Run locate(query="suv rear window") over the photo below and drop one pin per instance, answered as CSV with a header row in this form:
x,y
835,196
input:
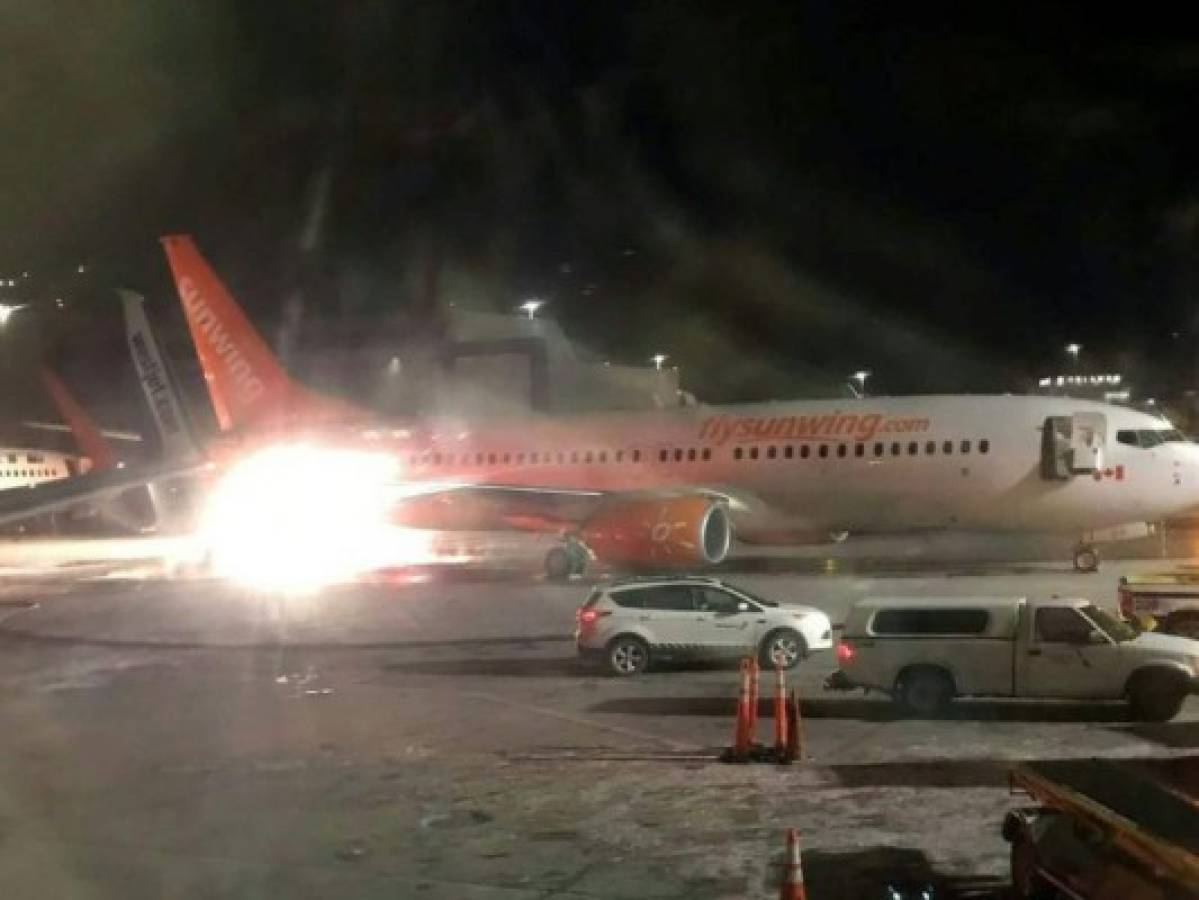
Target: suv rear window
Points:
x,y
675,597
930,621
627,599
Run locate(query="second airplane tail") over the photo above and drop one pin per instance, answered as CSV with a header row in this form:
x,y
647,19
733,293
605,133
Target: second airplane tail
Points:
x,y
248,385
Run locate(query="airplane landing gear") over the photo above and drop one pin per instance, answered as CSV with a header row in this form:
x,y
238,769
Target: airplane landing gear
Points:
x,y
565,560
1086,558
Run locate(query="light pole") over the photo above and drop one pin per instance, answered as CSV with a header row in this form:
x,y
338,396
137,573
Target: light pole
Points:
x,y
658,359
530,307
860,377
1073,350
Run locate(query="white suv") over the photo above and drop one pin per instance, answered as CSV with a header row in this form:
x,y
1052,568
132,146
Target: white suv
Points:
x,y
628,623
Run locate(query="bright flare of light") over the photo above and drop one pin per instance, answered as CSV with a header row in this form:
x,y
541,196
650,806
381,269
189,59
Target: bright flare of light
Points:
x,y
6,312
530,307
658,359
1073,349
297,518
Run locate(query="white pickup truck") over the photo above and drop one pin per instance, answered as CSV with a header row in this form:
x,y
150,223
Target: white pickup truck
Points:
x,y
927,651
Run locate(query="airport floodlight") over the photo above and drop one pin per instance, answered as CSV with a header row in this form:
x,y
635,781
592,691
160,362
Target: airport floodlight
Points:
x,y
658,359
530,307
81,268
860,377
7,311
1073,350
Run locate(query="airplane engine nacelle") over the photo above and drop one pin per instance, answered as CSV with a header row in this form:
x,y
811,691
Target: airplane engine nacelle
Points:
x,y
661,532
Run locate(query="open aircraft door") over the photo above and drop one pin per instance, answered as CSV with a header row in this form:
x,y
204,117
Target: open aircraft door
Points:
x,y
1072,445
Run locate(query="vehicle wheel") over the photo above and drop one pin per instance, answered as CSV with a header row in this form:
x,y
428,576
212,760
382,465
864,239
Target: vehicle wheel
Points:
x,y
1086,559
1184,626
925,691
628,655
783,647
1027,882
558,564
1156,697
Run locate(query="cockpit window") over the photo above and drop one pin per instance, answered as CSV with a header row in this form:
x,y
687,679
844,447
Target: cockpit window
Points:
x,y
1151,437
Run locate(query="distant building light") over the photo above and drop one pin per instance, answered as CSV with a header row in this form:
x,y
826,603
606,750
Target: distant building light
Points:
x,y
658,359
394,366
1045,382
81,268
1116,396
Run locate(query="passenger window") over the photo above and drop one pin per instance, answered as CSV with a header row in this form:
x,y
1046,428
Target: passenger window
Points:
x,y
672,597
636,456
587,457
930,621
753,452
574,456
1062,625
841,450
789,451
859,449
603,456
663,455
805,451
772,452
619,455
930,447
823,451
965,447
738,453
913,448
878,449
947,447
691,455
491,459
984,446
714,600
895,448
678,455
707,453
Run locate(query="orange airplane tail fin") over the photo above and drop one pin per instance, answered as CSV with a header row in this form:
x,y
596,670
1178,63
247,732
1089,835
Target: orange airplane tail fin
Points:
x,y
247,383
87,435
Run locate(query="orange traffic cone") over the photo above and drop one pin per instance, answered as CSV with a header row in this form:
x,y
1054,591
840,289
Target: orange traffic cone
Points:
x,y
743,735
755,685
794,729
780,714
793,888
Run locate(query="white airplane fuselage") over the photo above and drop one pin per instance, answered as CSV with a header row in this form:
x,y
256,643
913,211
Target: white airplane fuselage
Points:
x,y
820,467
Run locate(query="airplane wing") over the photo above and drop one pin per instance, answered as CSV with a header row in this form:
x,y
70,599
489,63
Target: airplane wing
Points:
x,y
22,503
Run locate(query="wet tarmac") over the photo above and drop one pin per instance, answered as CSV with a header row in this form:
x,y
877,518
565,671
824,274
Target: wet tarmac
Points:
x,y
438,738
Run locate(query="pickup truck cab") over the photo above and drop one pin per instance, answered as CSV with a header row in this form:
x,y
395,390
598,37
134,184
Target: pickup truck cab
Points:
x,y
927,651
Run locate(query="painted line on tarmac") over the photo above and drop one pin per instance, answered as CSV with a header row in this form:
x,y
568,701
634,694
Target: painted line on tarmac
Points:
x,y
578,720
10,609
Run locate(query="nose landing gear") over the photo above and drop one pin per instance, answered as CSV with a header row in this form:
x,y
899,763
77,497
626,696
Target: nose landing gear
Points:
x,y
1086,558
565,560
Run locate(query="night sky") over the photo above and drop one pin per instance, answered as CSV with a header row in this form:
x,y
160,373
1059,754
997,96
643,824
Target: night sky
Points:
x,y
775,194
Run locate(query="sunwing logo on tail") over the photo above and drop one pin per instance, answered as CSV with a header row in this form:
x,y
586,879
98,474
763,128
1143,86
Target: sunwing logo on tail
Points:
x,y
222,344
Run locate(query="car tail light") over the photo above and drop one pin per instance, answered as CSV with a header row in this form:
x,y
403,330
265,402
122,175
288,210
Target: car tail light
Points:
x,y
589,616
845,652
